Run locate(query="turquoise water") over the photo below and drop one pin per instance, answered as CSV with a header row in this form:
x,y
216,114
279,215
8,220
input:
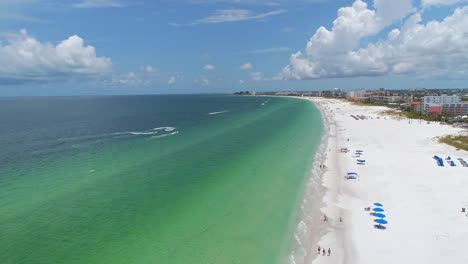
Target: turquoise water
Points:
x,y
153,179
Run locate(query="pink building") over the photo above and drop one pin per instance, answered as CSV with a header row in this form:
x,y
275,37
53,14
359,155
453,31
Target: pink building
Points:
x,y
435,110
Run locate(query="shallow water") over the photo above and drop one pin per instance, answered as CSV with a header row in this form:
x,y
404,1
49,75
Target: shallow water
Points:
x,y
152,179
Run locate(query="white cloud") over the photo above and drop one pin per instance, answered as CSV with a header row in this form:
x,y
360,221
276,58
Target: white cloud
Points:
x,y
172,80
98,4
270,50
147,75
246,66
25,59
428,3
148,69
209,67
241,81
436,47
231,15
256,76
128,79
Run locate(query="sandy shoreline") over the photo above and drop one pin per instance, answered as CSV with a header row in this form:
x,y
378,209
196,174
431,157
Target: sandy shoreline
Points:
x,y
305,236
422,201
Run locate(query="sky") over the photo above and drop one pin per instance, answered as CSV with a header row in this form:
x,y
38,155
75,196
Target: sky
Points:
x,y
89,47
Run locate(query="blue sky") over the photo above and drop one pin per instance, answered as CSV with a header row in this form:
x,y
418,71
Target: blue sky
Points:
x,y
51,47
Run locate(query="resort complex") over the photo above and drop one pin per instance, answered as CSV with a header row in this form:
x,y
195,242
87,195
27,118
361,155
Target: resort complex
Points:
x,y
442,105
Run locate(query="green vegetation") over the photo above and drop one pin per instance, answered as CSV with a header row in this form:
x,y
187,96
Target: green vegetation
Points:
x,y
460,142
415,115
411,115
464,99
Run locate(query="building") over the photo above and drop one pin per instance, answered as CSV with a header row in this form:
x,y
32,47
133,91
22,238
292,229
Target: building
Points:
x,y
460,108
387,99
433,109
358,95
437,105
442,99
416,107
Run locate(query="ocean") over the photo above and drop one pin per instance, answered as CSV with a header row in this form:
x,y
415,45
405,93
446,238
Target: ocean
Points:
x,y
163,179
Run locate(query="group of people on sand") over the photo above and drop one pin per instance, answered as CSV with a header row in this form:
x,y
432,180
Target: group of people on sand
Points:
x,y
322,250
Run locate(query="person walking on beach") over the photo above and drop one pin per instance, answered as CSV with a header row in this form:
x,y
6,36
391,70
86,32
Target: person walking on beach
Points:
x,y
318,252
329,251
323,252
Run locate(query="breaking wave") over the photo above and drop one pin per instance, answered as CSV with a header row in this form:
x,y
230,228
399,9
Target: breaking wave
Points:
x,y
166,135
144,133
217,113
305,237
153,131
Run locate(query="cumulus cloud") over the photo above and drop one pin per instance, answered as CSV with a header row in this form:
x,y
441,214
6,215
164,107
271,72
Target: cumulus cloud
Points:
x,y
127,79
25,59
428,3
241,81
209,67
246,66
231,15
148,69
98,4
172,80
415,48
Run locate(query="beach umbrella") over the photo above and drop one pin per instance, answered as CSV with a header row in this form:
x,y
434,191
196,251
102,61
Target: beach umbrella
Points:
x,y
378,204
380,215
359,150
378,210
381,221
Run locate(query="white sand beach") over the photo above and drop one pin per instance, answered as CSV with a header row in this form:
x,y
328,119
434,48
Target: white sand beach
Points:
x,y
422,201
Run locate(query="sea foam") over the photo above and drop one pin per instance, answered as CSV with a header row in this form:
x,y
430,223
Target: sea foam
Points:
x,y
304,237
217,113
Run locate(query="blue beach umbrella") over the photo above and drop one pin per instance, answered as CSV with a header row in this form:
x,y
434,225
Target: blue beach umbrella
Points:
x,y
380,215
378,204
378,210
381,221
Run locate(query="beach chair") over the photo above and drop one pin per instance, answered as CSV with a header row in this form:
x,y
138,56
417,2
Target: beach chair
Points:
x,y
440,161
463,162
351,176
